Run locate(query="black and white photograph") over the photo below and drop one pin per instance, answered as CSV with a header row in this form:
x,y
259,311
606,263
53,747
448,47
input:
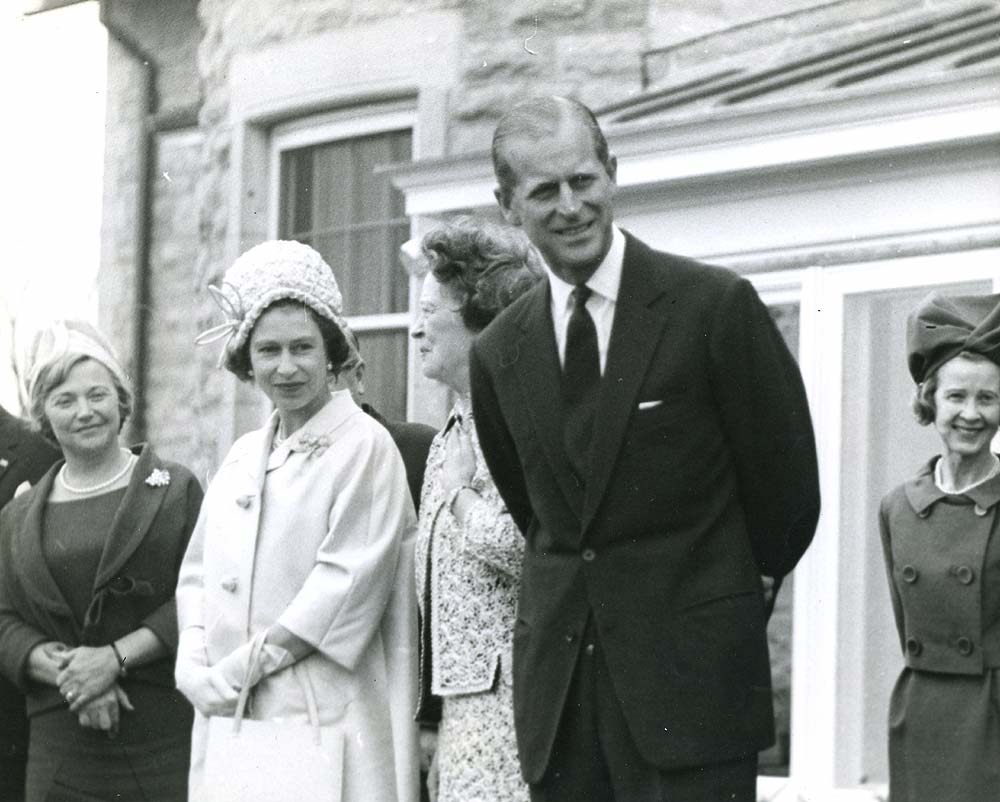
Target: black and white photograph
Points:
x,y
500,401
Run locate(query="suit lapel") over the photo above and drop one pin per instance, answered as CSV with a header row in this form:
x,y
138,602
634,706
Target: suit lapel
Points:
x,y
31,563
536,363
134,517
635,334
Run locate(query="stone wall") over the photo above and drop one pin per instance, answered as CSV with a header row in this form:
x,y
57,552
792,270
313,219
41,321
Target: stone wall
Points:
x,y
172,394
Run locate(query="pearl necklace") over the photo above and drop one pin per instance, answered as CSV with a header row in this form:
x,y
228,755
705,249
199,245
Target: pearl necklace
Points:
x,y
100,485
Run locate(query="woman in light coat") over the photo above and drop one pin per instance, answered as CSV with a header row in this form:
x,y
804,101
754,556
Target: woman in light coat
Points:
x,y
469,550
305,535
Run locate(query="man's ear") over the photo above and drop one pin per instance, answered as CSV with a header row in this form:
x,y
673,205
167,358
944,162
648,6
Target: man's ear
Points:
x,y
503,201
359,373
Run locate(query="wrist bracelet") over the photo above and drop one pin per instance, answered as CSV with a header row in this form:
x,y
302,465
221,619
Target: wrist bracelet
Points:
x,y
122,671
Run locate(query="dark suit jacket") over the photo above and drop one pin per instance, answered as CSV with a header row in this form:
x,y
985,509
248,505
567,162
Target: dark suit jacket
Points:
x,y
134,586
687,503
24,457
413,441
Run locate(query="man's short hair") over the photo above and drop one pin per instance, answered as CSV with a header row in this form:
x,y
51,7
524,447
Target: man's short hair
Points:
x,y
537,118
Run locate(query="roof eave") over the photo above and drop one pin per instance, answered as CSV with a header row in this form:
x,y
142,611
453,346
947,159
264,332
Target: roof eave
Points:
x,y
787,131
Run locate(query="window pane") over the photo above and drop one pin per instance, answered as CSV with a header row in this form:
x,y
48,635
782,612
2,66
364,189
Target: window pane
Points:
x,y
332,198
385,371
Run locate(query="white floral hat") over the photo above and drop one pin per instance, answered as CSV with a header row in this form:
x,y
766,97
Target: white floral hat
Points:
x,y
267,273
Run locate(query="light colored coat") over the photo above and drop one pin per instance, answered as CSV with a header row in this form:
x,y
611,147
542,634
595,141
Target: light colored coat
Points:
x,y
316,535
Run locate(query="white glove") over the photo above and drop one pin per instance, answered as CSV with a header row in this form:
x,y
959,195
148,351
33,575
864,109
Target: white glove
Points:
x,y
234,665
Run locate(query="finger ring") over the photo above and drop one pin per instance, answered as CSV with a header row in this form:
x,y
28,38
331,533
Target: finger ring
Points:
x,y
69,696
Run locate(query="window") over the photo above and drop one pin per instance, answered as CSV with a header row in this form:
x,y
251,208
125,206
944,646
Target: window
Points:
x,y
330,196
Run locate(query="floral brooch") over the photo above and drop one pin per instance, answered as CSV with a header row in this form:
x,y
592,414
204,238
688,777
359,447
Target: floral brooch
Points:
x,y
158,478
314,445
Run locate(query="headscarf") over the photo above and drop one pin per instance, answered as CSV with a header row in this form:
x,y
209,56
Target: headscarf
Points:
x,y
66,337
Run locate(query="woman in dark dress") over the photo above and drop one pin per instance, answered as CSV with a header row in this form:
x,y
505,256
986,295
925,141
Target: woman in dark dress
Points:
x,y
88,566
942,552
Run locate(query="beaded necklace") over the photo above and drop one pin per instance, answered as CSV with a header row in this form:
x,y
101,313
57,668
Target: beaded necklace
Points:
x,y
100,485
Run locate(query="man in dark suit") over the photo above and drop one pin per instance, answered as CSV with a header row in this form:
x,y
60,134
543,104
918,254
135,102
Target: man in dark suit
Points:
x,y
24,457
648,430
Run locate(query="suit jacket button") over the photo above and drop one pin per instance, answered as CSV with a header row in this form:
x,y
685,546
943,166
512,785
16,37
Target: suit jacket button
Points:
x,y
980,511
924,513
244,502
909,574
588,555
964,646
964,574
229,584
570,637
914,647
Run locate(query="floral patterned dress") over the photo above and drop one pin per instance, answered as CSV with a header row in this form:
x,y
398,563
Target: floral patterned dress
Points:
x,y
468,579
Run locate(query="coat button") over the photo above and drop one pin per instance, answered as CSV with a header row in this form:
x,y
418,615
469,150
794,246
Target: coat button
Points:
x,y
229,584
570,637
909,574
914,647
244,502
980,511
964,574
588,555
964,646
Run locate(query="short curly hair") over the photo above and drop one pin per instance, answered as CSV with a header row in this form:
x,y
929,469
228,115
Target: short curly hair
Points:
x,y
54,374
338,351
923,404
485,265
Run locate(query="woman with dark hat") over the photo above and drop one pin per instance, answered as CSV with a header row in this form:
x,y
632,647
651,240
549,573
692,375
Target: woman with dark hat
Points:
x,y
942,554
88,566
304,542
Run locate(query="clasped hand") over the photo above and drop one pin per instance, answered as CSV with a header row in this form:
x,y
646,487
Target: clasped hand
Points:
x,y
207,689
460,459
86,673
104,711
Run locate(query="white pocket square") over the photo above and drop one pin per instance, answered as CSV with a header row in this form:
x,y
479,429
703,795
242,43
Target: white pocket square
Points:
x,y
649,404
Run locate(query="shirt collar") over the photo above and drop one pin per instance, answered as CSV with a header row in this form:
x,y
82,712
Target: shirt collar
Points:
x,y
606,279
922,491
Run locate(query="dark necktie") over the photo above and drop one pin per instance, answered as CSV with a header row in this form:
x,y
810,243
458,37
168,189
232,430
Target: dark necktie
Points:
x,y
581,379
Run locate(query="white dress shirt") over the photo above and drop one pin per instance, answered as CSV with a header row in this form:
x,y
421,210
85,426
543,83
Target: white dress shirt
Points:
x,y
601,303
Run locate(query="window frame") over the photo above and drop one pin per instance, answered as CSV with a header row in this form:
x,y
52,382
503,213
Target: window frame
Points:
x,y
323,128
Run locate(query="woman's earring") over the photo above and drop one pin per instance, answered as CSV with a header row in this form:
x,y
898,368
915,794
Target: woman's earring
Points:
x,y
329,367
250,372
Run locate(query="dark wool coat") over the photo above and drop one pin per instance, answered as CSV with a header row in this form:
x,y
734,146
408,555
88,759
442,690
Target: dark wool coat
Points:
x,y
942,556
134,586
703,478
